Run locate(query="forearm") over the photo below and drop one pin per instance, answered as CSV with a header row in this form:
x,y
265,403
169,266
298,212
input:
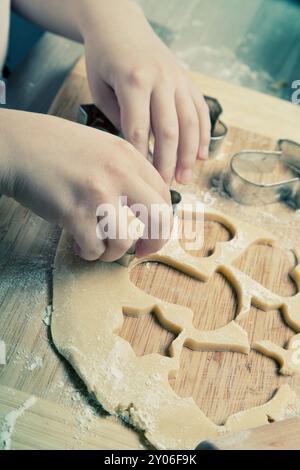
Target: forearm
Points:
x,y
59,16
71,18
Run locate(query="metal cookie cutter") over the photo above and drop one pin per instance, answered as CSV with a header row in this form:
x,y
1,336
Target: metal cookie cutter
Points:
x,y
219,130
248,169
90,115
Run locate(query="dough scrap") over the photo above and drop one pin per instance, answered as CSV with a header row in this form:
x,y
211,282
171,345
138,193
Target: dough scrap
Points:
x,y
89,302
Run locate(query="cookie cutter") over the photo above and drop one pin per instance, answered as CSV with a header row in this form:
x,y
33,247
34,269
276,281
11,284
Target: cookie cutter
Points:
x,y
219,130
90,115
240,183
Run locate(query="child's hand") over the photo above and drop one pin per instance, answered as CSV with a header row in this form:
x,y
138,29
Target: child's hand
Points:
x,y
138,84
64,171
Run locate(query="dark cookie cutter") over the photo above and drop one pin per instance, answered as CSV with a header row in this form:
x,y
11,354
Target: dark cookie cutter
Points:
x,y
90,115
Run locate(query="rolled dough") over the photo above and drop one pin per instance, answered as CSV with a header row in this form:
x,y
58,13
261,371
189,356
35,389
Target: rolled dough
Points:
x,y
89,300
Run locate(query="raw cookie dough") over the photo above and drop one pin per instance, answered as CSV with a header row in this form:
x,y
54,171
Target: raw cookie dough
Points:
x,y
288,359
89,301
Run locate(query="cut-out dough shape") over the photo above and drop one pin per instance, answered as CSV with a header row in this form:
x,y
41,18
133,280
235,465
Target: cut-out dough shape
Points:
x,y
89,302
288,359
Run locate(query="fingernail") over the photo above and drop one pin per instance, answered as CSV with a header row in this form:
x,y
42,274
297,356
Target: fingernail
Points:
x,y
204,152
186,176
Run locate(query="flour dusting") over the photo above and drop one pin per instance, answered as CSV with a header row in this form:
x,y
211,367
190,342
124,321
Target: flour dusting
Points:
x,y
7,424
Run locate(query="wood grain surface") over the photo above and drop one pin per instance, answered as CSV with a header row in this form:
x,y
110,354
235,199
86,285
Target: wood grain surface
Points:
x,y
48,426
284,435
220,383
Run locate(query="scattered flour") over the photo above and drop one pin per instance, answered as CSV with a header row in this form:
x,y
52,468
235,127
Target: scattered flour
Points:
x,y
34,362
207,198
31,360
47,315
7,424
293,410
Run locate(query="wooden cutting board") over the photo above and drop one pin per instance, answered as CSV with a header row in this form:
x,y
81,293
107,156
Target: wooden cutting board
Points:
x,y
220,383
283,435
32,423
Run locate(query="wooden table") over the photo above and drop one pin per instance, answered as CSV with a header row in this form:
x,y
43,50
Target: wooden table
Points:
x,y
220,383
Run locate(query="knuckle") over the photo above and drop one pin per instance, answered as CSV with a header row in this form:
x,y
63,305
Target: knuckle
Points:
x,y
92,187
114,165
138,135
169,132
137,77
116,171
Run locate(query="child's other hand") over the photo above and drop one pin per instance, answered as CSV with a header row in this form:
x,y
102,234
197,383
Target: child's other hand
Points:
x,y
138,84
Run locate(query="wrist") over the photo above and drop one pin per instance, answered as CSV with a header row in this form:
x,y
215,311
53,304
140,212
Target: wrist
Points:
x,y
95,17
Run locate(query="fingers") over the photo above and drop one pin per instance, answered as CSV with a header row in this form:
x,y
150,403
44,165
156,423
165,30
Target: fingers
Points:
x,y
189,133
106,101
114,234
108,241
110,237
134,102
166,132
151,177
204,122
155,214
179,120
87,245
120,236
